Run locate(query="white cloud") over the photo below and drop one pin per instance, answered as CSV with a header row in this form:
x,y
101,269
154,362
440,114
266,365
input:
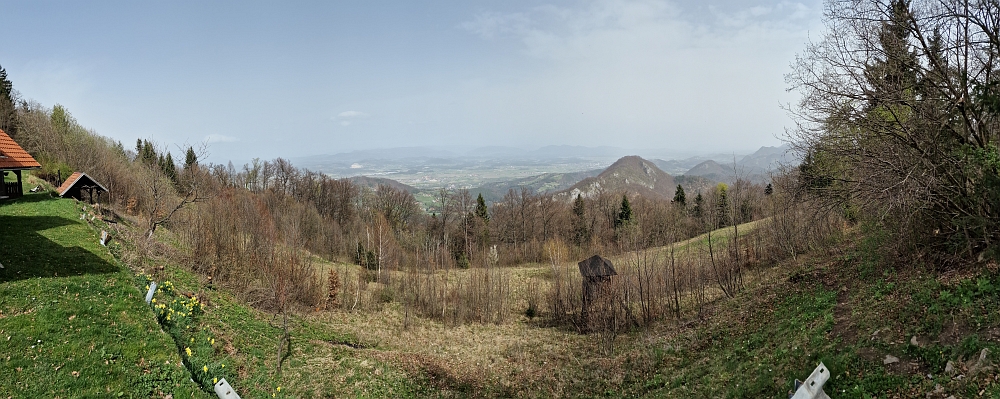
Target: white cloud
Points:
x,y
352,114
648,71
218,138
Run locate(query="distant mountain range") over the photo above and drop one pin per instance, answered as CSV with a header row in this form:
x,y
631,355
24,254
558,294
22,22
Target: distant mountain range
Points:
x,y
654,178
546,153
754,167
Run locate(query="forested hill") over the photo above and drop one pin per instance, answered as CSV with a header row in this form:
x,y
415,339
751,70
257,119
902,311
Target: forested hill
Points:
x,y
374,182
631,174
538,184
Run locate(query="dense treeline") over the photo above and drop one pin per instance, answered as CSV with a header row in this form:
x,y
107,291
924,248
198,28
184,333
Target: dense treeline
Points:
x,y
899,121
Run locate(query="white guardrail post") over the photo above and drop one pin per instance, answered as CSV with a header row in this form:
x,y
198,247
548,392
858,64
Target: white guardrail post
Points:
x,y
812,387
150,292
225,391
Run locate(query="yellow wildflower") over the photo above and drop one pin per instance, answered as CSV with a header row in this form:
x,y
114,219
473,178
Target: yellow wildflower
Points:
x,y
279,389
188,351
204,368
212,341
215,380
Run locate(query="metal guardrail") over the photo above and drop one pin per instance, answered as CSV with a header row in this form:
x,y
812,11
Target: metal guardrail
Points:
x,y
812,387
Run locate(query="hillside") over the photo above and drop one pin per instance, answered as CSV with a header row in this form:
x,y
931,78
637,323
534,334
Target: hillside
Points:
x,y
374,182
630,174
710,169
836,305
543,183
72,318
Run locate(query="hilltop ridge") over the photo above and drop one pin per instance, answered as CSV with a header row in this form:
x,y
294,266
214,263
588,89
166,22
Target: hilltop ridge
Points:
x,y
631,174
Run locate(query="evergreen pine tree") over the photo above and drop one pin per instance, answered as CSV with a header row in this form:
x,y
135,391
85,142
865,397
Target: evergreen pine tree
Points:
x,y
8,112
624,213
191,159
679,196
722,206
769,189
169,169
148,153
481,211
699,204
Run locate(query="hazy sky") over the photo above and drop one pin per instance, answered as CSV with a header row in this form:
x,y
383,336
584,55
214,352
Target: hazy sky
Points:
x,y
289,79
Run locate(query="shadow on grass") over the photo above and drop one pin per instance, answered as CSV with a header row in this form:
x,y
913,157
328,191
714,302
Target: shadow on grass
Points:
x,y
30,198
25,253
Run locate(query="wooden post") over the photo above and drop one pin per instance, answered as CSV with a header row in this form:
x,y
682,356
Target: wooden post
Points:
x,y
20,190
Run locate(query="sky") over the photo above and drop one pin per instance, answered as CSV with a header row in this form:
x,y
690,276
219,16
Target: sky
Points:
x,y
292,79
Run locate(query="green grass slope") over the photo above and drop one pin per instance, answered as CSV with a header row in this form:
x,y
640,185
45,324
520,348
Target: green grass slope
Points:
x,y
846,309
72,320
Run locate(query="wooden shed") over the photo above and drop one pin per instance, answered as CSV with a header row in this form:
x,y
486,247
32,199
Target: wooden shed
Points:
x,y
79,183
13,159
596,272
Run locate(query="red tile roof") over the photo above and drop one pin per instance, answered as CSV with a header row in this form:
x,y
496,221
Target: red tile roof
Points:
x,y
12,156
69,182
79,178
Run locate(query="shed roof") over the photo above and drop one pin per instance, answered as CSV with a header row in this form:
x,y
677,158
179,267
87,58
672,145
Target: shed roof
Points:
x,y
13,157
78,178
596,266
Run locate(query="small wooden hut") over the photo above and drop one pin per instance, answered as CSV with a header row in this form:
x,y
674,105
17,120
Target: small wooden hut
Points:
x,y
14,159
596,272
79,183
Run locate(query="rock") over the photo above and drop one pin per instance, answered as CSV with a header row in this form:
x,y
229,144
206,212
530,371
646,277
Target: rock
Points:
x,y
913,341
982,364
949,368
890,359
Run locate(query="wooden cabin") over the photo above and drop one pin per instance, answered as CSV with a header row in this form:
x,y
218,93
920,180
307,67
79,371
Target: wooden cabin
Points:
x,y
13,159
79,183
